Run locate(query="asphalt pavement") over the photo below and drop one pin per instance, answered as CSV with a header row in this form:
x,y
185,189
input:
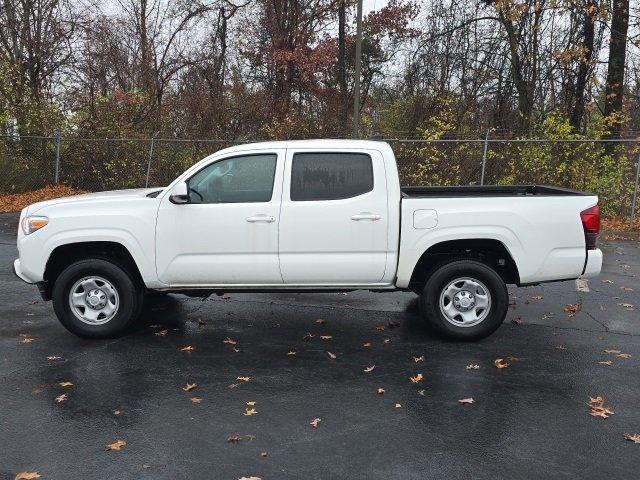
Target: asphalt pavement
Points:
x,y
265,367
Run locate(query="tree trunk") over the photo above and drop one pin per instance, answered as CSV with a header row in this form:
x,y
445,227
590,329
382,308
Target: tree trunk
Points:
x,y
590,12
617,55
342,68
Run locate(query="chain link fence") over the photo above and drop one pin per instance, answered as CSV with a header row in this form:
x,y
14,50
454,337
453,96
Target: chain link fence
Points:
x,y
609,168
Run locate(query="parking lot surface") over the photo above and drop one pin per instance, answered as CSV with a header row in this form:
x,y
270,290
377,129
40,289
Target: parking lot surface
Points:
x,y
260,369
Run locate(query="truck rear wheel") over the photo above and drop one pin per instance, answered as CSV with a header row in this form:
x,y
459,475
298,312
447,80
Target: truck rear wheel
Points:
x,y
464,300
96,298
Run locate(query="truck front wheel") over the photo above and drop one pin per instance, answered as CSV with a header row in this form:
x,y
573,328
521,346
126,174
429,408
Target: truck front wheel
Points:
x,y
95,298
464,300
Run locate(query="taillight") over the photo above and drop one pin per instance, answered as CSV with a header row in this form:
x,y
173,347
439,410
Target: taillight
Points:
x,y
591,226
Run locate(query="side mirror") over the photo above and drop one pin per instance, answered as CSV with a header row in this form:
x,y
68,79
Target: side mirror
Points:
x,y
179,193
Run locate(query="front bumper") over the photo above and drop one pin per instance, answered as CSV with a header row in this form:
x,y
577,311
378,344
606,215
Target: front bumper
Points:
x,y
593,265
18,271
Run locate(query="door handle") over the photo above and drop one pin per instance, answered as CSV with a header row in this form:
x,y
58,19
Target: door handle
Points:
x,y
366,216
261,218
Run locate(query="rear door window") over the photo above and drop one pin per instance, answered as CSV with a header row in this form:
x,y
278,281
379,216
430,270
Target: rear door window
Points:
x,y
330,176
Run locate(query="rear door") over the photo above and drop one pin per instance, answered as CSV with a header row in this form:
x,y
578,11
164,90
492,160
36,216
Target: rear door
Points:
x,y
333,217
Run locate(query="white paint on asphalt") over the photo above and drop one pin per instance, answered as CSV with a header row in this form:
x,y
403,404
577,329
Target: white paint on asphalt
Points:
x,y
582,285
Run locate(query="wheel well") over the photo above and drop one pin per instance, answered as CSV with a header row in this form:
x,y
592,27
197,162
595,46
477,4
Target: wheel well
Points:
x,y
65,255
490,252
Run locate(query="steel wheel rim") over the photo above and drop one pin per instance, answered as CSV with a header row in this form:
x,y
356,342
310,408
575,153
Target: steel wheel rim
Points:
x,y
465,302
94,300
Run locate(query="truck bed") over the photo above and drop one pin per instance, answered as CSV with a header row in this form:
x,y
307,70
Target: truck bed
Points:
x,y
489,191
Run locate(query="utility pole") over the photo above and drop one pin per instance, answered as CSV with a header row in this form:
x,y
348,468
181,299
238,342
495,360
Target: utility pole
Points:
x,y
356,83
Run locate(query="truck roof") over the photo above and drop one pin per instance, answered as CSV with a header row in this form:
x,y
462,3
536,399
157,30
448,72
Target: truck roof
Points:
x,y
314,143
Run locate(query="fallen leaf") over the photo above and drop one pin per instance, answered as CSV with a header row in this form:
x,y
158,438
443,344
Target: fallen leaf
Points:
x,y
572,309
233,385
380,328
398,405
623,355
234,439
27,476
421,392
61,398
117,445
65,383
229,341
416,379
187,348
326,337
466,401
380,391
189,387
236,349
27,340
560,347
628,306
116,412
472,366
251,404
386,340
332,355
499,363
393,324
250,478
608,362
320,321
615,352
196,399
369,369
249,412
597,408
291,352
606,280
315,422
635,438
201,323
537,297
243,379
161,333
308,337
366,344
250,437
53,357
517,321
263,454
146,466
418,359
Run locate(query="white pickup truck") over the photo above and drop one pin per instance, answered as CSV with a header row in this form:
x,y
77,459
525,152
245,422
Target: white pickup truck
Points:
x,y
316,215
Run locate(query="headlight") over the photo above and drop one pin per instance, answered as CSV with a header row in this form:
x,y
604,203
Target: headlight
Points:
x,y
33,223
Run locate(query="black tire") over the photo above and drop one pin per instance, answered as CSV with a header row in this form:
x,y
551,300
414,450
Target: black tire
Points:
x,y
442,277
129,290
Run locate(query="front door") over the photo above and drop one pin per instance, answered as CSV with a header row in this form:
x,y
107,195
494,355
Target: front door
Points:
x,y
334,218
227,234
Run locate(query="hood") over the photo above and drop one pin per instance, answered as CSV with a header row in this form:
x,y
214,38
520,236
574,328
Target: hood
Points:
x,y
113,194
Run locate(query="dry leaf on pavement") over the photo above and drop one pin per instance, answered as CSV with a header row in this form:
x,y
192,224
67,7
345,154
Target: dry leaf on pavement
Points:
x,y
380,391
500,363
597,408
315,422
61,398
472,366
244,379
161,333
635,438
332,355
418,359
189,387
187,348
608,362
416,379
250,478
572,309
249,412
65,383
466,401
369,369
326,337
229,341
117,445
196,399
398,405
27,476
291,352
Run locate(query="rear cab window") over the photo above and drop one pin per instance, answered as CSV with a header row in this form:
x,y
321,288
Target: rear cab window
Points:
x,y
330,175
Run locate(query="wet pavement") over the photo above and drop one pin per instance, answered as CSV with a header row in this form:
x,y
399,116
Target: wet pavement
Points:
x,y
530,419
